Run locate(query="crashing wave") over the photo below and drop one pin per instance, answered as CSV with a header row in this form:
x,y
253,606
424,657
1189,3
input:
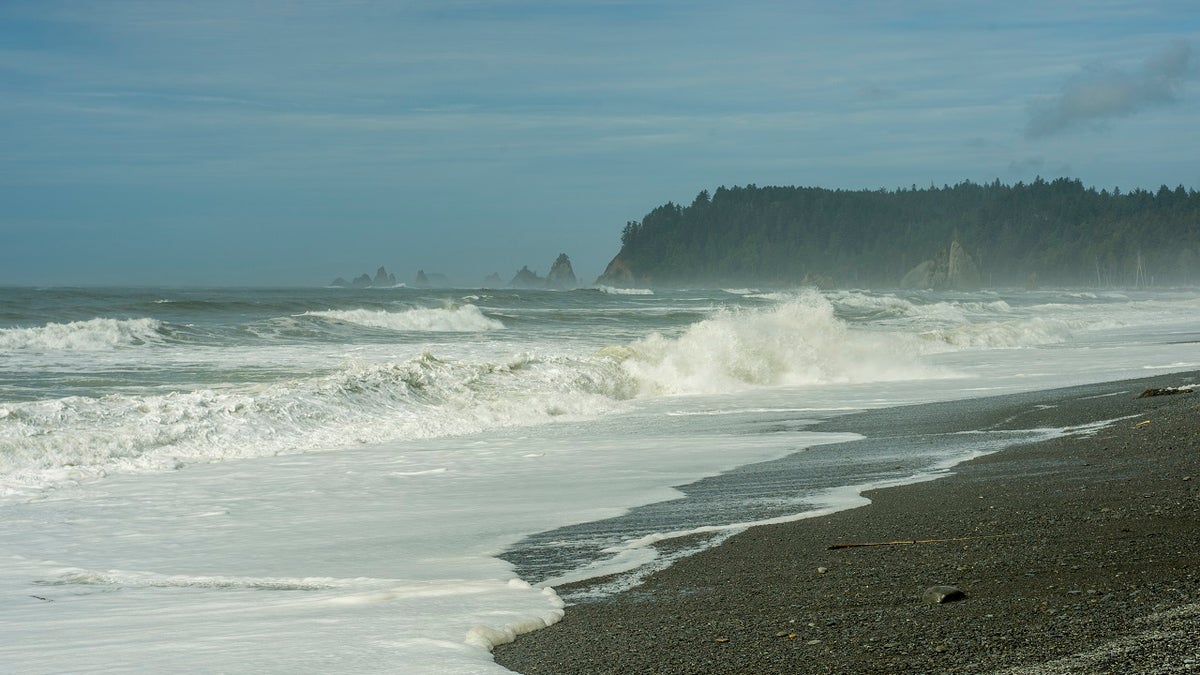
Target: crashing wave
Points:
x,y
613,290
796,342
92,335
461,319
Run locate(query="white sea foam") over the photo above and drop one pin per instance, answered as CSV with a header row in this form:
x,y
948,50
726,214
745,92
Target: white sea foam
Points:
x,y
139,579
776,296
885,307
92,335
1017,333
77,439
959,324
460,319
490,637
613,290
796,342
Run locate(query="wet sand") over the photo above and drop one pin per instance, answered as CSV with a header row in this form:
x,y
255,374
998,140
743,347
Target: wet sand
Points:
x,y
1076,555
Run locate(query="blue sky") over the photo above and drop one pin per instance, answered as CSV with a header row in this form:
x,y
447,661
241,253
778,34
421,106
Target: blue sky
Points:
x,y
265,142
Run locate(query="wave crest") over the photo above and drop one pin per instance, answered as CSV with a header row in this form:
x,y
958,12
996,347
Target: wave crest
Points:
x,y
796,342
78,439
92,335
1012,334
460,319
613,290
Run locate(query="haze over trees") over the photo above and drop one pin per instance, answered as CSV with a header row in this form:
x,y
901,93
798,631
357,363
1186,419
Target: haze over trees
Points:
x,y
1052,232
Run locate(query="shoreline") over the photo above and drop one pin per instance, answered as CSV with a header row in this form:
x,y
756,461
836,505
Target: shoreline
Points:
x,y
1076,554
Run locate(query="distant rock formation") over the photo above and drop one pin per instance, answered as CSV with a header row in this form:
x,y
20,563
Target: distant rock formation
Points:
x,y
963,273
493,280
527,278
431,280
618,273
383,278
561,276
955,269
925,275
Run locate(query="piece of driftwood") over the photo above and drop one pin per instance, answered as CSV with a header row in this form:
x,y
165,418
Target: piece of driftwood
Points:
x,y
910,542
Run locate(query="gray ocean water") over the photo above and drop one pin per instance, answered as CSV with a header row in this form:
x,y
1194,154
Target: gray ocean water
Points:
x,y
390,475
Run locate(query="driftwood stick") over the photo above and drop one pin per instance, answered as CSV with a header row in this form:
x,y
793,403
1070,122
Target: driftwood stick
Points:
x,y
910,542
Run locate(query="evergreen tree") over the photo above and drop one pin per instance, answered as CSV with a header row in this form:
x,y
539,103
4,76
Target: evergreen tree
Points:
x,y
1057,231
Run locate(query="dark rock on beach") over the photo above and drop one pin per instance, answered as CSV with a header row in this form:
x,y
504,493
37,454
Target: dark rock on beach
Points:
x,y
1077,554
1166,391
936,595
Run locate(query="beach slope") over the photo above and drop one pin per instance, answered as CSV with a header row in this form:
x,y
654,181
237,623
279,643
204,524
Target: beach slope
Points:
x,y
1077,554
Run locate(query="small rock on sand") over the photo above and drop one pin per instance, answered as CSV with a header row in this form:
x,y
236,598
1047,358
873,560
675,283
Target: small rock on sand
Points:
x,y
935,595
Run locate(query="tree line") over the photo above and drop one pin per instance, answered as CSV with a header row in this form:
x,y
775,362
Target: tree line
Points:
x,y
1052,232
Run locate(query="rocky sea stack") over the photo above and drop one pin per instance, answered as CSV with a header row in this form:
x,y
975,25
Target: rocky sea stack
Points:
x,y
955,269
382,279
527,278
561,276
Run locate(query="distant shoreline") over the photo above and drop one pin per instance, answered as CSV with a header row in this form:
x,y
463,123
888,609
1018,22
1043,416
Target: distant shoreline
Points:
x,y
1094,570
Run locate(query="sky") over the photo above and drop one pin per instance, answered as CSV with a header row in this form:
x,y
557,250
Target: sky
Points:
x,y
263,142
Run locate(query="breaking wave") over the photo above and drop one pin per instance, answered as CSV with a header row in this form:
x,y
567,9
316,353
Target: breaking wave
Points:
x,y
796,342
953,325
461,319
91,335
864,307
1013,334
801,339
78,439
613,290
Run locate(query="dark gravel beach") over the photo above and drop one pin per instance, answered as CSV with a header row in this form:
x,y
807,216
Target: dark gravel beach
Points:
x,y
1076,555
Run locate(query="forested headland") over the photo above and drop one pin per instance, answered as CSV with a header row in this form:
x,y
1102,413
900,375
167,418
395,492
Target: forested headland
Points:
x,y
1046,232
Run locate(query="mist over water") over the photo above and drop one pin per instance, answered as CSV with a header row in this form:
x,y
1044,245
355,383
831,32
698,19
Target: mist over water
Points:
x,y
249,461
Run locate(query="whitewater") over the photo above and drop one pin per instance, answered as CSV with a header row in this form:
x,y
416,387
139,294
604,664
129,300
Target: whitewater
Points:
x,y
396,480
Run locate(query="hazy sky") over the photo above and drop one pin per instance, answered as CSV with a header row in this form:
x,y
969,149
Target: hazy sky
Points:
x,y
272,142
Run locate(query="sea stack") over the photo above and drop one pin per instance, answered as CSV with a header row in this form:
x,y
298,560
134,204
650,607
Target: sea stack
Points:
x,y
953,269
561,276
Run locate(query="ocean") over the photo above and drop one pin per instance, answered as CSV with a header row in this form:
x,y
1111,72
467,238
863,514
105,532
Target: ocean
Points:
x,y
395,480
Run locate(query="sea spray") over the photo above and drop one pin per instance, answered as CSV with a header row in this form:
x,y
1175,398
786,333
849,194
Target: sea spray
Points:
x,y
798,341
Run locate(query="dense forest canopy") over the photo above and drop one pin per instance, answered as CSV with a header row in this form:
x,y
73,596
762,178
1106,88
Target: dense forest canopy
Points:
x,y
1054,232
